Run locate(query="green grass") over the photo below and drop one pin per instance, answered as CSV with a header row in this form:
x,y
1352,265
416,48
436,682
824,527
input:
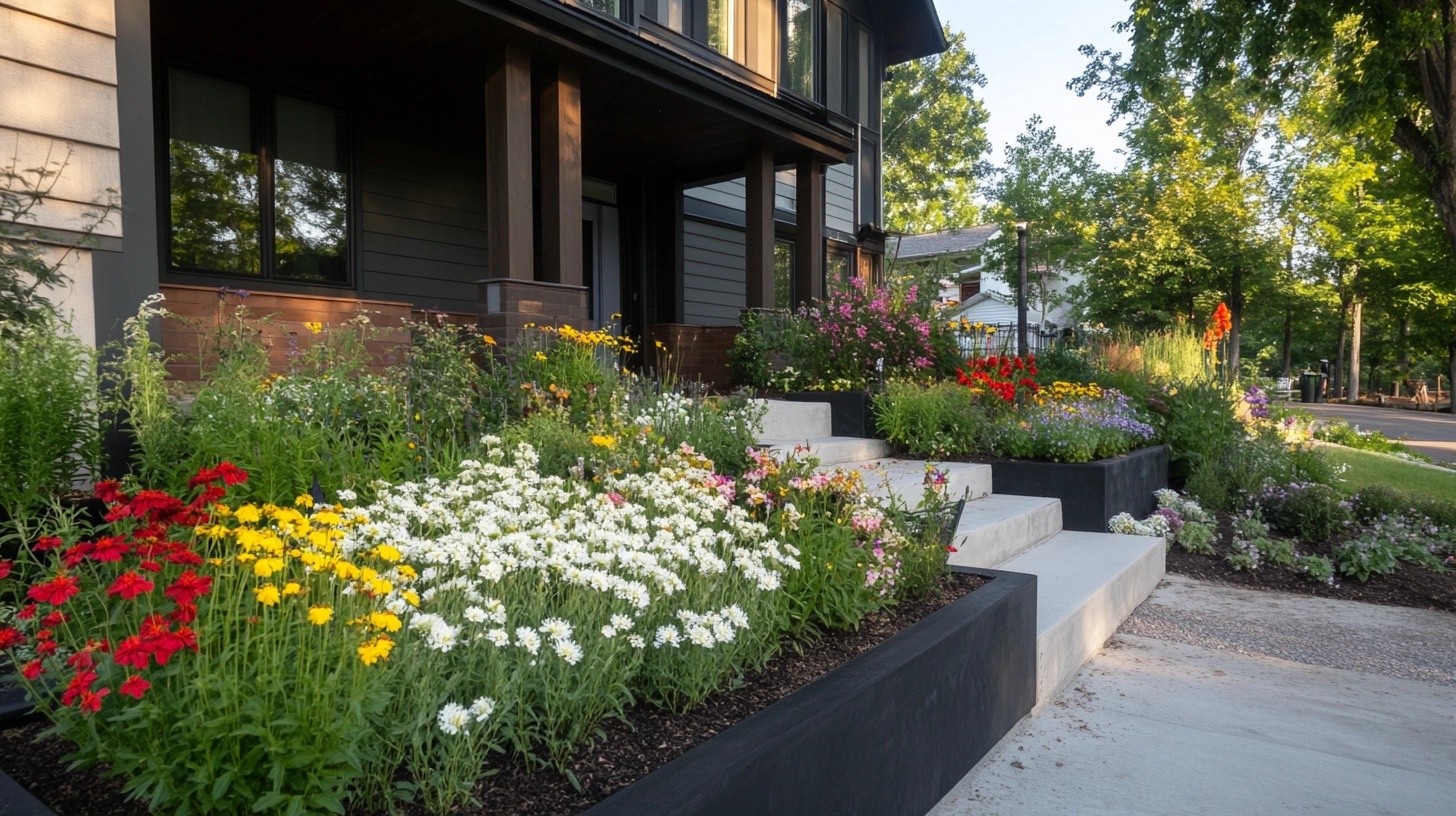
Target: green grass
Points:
x,y
1365,469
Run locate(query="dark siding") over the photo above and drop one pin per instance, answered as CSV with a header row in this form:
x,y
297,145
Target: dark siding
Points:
x,y
423,231
713,263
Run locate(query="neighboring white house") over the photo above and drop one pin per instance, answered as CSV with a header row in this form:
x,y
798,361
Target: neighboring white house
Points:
x,y
979,295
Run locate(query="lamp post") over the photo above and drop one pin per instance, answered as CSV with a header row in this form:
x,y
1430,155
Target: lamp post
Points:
x,y
1021,345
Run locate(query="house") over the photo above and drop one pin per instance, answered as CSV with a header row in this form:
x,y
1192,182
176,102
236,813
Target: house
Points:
x,y
503,161
959,258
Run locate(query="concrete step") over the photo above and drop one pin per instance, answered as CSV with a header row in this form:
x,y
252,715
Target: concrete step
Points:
x,y
834,450
1000,527
794,422
1087,584
905,479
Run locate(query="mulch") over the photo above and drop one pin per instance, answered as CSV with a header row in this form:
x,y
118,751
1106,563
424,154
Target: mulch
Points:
x,y
624,754
1410,585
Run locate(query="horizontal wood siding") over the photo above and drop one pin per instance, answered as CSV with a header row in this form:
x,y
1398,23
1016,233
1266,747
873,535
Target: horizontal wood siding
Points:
x,y
423,230
728,194
713,277
839,198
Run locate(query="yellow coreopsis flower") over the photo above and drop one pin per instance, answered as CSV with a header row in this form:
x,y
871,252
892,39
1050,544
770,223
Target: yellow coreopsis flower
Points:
x,y
292,588
267,595
265,567
607,442
320,615
410,597
487,339
387,553
385,621
346,571
314,326
376,649
248,514
541,356
303,500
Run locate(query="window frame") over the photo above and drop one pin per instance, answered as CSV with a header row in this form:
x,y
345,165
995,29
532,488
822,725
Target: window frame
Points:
x,y
816,39
263,95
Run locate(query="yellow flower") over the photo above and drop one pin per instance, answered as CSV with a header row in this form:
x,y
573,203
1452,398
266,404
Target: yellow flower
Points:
x,y
320,615
292,588
314,326
303,500
265,567
267,595
410,597
221,510
379,586
487,339
387,553
371,651
245,558
541,356
386,621
607,442
346,571
248,514
406,571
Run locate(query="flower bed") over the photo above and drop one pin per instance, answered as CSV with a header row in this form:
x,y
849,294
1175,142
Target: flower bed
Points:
x,y
1090,492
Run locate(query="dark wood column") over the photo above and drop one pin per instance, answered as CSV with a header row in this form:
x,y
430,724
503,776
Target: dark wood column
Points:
x,y
508,167
809,228
561,178
758,266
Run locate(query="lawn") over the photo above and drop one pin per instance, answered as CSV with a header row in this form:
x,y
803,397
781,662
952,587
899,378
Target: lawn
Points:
x,y
1364,469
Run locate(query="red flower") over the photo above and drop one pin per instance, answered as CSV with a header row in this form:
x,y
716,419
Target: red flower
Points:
x,y
10,638
55,618
130,585
109,492
81,660
56,591
47,543
150,566
32,670
5,567
184,556
109,548
132,652
45,648
91,700
135,686
27,613
184,613
80,684
188,587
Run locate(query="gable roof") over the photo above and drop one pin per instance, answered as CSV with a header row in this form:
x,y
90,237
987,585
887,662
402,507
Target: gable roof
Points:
x,y
945,242
911,29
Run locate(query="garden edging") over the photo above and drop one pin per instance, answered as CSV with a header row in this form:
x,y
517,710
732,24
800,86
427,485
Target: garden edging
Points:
x,y
1091,492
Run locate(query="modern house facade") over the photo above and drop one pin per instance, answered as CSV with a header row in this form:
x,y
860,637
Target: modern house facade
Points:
x,y
503,161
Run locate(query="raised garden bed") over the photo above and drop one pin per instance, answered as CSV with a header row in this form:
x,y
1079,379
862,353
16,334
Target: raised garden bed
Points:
x,y
1091,492
925,704
850,412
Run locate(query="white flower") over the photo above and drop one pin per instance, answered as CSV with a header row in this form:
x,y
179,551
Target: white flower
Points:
x,y
443,637
700,635
621,623
636,642
475,614
482,708
609,632
454,719
557,628
666,636
568,650
736,616
527,639
499,637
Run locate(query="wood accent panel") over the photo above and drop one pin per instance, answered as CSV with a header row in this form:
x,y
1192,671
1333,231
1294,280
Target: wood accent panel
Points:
x,y
508,170
759,228
693,353
561,260
809,230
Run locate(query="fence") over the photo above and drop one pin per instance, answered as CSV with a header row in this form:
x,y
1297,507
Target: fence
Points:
x,y
1003,339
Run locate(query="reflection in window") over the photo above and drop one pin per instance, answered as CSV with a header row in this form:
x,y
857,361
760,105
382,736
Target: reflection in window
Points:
x,y
723,26
783,275
799,48
310,189
612,7
214,170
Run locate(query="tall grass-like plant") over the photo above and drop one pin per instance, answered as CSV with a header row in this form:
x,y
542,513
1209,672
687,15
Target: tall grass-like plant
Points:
x,y
933,421
139,401
49,429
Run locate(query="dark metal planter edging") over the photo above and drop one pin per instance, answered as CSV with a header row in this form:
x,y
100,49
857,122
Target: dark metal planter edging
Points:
x,y
1091,492
892,731
851,413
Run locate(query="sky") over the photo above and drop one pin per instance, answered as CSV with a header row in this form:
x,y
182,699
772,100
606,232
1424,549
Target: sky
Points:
x,y
1028,51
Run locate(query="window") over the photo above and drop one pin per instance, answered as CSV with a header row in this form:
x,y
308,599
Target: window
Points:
x,y
258,185
718,24
799,52
834,58
783,275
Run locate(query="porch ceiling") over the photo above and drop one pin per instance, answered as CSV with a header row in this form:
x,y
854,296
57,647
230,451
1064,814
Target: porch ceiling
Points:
x,y
636,117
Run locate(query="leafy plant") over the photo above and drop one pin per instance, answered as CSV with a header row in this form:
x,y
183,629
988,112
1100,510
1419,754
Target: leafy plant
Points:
x,y
1313,512
932,421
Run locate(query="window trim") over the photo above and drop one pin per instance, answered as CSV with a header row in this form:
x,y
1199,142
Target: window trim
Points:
x,y
263,95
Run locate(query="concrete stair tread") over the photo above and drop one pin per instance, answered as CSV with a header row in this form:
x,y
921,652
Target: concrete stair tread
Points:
x,y
1087,585
795,421
905,478
999,527
833,450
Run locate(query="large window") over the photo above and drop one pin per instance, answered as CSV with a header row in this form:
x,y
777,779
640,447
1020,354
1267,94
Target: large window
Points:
x,y
258,182
718,24
798,51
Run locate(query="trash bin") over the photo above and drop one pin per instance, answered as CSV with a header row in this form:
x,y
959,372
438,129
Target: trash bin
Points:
x,y
1309,386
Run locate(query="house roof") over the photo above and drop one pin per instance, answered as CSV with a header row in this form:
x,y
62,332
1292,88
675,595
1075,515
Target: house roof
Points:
x,y
945,242
911,29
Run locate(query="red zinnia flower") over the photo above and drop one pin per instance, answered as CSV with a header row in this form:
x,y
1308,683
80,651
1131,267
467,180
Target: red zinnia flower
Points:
x,y
81,660
32,670
109,548
132,652
10,638
55,618
47,543
135,686
5,567
45,648
130,585
56,591
188,587
27,612
150,566
91,700
109,492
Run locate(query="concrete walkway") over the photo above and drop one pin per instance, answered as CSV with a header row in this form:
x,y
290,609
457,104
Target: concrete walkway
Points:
x,y
1218,700
1429,433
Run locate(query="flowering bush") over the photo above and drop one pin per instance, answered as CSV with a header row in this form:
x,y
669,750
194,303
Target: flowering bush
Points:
x,y
1308,510
1079,429
1006,378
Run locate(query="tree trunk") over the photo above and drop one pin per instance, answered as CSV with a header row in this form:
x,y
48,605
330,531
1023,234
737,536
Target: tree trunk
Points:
x,y
1236,318
1358,309
1404,363
1286,350
1338,369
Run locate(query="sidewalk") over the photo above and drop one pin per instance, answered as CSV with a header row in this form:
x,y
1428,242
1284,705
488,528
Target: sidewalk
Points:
x,y
1217,700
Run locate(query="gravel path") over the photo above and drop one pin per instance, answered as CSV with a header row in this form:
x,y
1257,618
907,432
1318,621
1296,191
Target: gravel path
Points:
x,y
1413,644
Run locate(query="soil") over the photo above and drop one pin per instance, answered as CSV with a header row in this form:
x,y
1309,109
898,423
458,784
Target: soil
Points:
x,y
624,754
1410,585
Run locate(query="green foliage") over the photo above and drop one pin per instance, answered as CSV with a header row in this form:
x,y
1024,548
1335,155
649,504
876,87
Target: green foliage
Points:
x,y
932,421
49,431
748,357
1066,362
1340,432
934,138
1197,423
1362,557
1197,537
1316,568
1310,511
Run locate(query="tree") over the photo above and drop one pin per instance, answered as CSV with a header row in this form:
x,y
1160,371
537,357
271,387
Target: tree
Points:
x,y
934,138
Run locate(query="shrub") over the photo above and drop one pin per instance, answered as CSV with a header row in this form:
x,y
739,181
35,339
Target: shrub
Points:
x,y
1376,502
1197,537
1316,568
932,421
1197,423
1312,512
1339,432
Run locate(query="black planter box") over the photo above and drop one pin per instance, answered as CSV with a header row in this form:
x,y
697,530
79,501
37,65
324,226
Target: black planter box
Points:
x,y
890,732
850,412
1091,492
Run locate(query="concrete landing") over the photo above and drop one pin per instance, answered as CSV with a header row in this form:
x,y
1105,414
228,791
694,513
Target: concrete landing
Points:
x,y
905,478
1000,527
1087,584
793,422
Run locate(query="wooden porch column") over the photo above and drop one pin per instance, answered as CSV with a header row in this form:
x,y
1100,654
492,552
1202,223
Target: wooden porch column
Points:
x,y
758,266
809,226
508,167
561,178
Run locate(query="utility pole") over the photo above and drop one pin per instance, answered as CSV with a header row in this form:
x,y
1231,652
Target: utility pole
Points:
x,y
1021,345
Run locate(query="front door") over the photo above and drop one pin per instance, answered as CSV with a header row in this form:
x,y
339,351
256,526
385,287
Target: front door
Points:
x,y
601,261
